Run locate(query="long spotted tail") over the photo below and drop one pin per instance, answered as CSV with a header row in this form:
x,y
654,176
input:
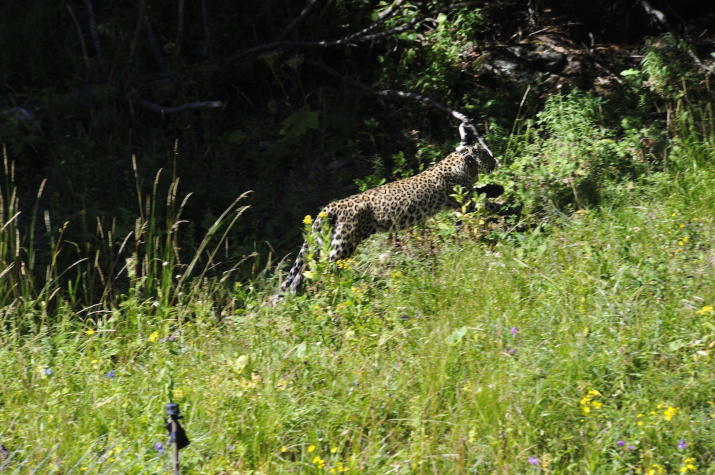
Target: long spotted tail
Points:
x,y
295,276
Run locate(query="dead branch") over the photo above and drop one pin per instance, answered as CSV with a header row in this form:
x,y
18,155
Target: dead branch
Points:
x,y
81,39
298,19
361,36
390,12
153,43
415,20
179,30
207,28
133,51
465,122
95,37
176,109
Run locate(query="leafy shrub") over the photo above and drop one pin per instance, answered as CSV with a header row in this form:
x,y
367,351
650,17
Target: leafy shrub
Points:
x,y
570,151
668,66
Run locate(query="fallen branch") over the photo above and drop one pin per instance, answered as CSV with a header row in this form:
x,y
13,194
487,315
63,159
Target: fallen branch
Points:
x,y
176,109
465,122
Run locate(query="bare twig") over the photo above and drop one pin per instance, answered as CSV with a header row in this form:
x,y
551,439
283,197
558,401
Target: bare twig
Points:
x,y
176,109
388,13
180,29
465,122
95,37
207,28
137,32
417,19
325,9
81,39
699,63
298,19
360,36
153,43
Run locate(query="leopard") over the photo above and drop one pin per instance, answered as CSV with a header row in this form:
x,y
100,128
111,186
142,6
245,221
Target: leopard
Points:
x,y
397,205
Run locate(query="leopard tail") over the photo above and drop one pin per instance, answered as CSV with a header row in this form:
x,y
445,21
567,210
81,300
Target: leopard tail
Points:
x,y
295,276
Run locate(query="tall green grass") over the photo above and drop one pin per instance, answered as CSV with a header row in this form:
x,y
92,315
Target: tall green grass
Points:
x,y
581,343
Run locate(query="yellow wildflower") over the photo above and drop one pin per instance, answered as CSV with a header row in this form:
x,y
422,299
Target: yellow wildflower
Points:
x,y
587,402
688,465
705,309
307,220
311,448
318,462
152,338
656,470
669,413
89,332
323,214
333,450
345,264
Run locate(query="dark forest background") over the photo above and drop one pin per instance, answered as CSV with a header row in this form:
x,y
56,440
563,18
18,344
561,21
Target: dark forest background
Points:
x,y
281,98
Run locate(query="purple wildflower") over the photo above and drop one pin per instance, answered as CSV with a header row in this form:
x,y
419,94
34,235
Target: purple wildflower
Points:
x,y
682,445
621,443
158,447
47,372
631,447
513,331
110,375
534,461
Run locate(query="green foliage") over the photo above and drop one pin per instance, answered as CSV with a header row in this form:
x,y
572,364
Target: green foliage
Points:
x,y
299,122
427,61
577,152
585,344
668,67
567,342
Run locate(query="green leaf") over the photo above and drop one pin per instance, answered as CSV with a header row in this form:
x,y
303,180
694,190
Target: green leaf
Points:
x,y
456,336
300,121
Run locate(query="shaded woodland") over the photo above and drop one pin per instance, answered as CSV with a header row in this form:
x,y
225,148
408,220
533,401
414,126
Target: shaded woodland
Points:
x,y
292,100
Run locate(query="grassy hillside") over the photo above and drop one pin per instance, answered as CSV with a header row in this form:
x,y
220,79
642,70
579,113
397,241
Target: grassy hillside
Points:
x,y
579,340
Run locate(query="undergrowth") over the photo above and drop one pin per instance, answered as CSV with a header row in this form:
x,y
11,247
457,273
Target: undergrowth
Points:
x,y
578,340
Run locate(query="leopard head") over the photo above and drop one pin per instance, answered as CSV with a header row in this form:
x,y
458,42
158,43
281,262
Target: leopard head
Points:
x,y
478,160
